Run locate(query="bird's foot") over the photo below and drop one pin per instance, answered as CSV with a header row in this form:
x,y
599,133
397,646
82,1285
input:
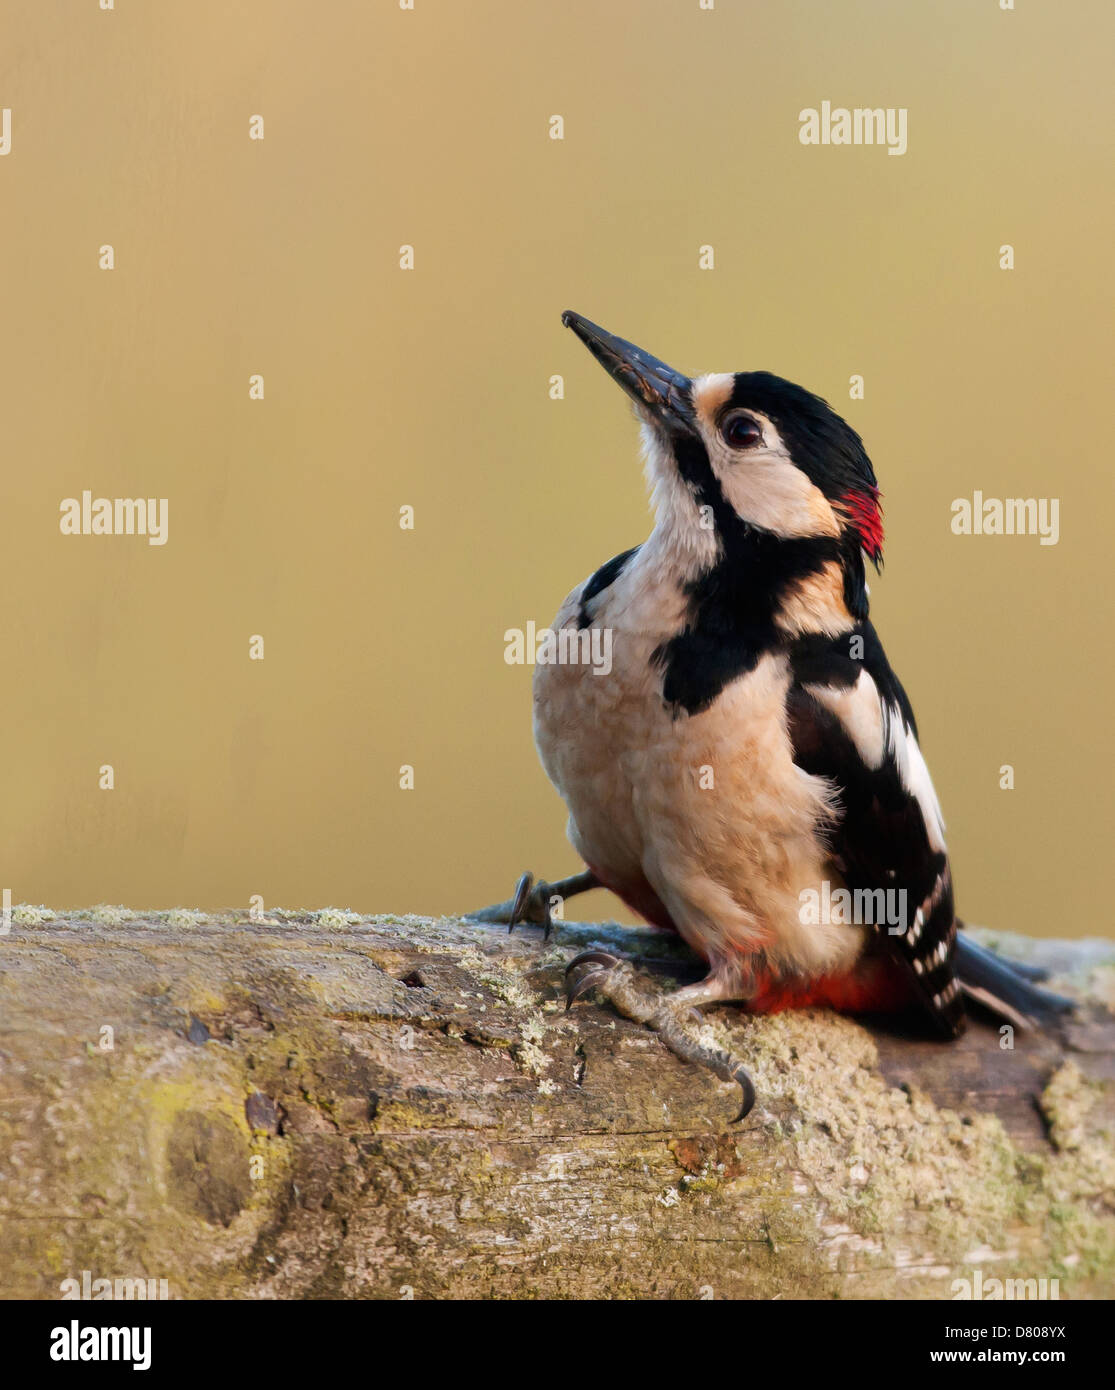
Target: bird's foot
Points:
x,y
671,1016
535,902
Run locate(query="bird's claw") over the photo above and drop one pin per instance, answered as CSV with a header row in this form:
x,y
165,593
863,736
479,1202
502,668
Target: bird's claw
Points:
x,y
529,903
742,1077
536,902
574,988
519,899
663,1016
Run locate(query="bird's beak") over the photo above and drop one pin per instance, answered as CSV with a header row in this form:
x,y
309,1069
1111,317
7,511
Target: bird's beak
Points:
x,y
663,393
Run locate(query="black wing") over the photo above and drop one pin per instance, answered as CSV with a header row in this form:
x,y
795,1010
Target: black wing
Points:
x,y
851,723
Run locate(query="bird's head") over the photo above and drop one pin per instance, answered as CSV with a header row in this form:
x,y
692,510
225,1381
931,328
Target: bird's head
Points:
x,y
736,455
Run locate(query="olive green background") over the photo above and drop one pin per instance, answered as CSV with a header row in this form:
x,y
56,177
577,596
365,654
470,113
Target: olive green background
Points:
x,y
429,387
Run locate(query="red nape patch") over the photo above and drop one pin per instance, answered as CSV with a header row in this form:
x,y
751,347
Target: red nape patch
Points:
x,y
861,506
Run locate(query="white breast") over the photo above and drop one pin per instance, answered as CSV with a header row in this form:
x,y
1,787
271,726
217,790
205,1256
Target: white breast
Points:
x,y
709,810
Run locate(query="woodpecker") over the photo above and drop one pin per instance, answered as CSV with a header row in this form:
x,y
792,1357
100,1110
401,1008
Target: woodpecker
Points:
x,y
751,756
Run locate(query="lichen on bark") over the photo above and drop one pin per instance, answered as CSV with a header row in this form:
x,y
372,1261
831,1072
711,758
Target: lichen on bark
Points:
x,y
324,1104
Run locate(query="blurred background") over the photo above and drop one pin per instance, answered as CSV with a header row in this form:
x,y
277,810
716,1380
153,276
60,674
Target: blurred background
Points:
x,y
429,388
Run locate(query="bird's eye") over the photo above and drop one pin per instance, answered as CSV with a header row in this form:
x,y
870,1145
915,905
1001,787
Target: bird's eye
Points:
x,y
740,431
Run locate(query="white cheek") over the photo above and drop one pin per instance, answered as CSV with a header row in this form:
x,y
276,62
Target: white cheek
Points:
x,y
765,488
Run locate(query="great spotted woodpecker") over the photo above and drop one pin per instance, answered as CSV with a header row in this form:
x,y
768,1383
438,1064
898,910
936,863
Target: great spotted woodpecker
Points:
x,y
751,758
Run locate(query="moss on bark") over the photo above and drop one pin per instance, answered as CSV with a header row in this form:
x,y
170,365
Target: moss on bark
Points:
x,y
329,1105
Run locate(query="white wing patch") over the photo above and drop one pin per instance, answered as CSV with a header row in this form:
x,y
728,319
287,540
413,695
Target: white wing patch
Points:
x,y
860,711
903,748
877,729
